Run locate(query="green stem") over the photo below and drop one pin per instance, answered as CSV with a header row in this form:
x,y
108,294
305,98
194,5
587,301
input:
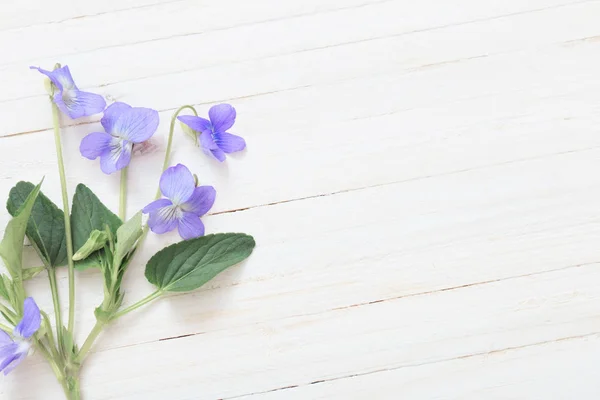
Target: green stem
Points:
x,y
167,159
139,304
123,196
5,328
170,140
56,302
65,199
87,345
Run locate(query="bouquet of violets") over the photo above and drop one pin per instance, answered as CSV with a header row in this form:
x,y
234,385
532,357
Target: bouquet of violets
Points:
x,y
92,236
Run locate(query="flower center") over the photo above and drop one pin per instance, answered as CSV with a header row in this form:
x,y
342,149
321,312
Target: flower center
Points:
x,y
68,97
23,345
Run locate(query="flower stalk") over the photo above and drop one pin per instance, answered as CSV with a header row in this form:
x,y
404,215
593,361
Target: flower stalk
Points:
x,y
65,200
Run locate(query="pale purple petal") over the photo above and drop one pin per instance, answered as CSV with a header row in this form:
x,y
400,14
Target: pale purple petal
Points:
x,y
5,340
112,113
218,154
136,125
201,200
190,226
117,156
177,183
95,144
155,205
222,117
11,363
61,77
31,319
229,143
164,219
196,123
207,142
77,104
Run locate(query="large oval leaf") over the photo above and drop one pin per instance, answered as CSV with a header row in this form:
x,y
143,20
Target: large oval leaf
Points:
x,y
11,246
190,264
46,225
89,214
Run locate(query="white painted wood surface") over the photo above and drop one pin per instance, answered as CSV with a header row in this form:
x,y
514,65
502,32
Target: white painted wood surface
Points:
x,y
421,179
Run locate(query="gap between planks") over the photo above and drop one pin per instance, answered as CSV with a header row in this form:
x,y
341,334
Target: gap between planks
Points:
x,y
479,354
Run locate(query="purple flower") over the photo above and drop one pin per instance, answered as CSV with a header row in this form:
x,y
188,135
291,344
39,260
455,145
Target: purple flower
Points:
x,y
213,136
184,206
69,99
13,351
125,126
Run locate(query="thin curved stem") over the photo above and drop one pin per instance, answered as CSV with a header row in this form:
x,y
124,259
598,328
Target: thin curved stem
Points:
x,y
123,195
138,304
65,199
167,156
5,328
87,345
170,140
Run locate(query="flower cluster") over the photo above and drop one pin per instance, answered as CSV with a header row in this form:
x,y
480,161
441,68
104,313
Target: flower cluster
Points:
x,y
14,350
106,241
124,126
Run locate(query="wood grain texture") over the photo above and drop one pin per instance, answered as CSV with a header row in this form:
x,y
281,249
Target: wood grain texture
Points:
x,y
420,179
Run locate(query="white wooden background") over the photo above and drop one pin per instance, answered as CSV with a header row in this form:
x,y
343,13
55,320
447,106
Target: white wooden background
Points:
x,y
422,179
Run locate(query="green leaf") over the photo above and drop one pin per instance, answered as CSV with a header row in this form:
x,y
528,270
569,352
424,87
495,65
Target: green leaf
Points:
x,y
11,247
89,214
29,273
95,242
94,260
46,225
6,287
190,264
190,132
127,235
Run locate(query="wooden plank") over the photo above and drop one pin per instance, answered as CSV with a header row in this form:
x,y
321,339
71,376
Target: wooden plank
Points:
x,y
419,236
355,340
562,369
247,72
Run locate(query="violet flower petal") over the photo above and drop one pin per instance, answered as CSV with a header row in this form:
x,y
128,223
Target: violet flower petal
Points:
x,y
61,77
156,204
177,183
112,113
69,99
5,340
229,143
207,142
222,117
117,156
77,104
218,154
196,123
201,200
95,144
11,363
190,226
31,319
136,125
164,219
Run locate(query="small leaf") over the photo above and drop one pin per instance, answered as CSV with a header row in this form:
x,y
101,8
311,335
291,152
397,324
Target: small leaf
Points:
x,y
190,264
95,242
89,214
127,235
29,273
190,132
46,225
11,247
6,287
68,344
94,260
